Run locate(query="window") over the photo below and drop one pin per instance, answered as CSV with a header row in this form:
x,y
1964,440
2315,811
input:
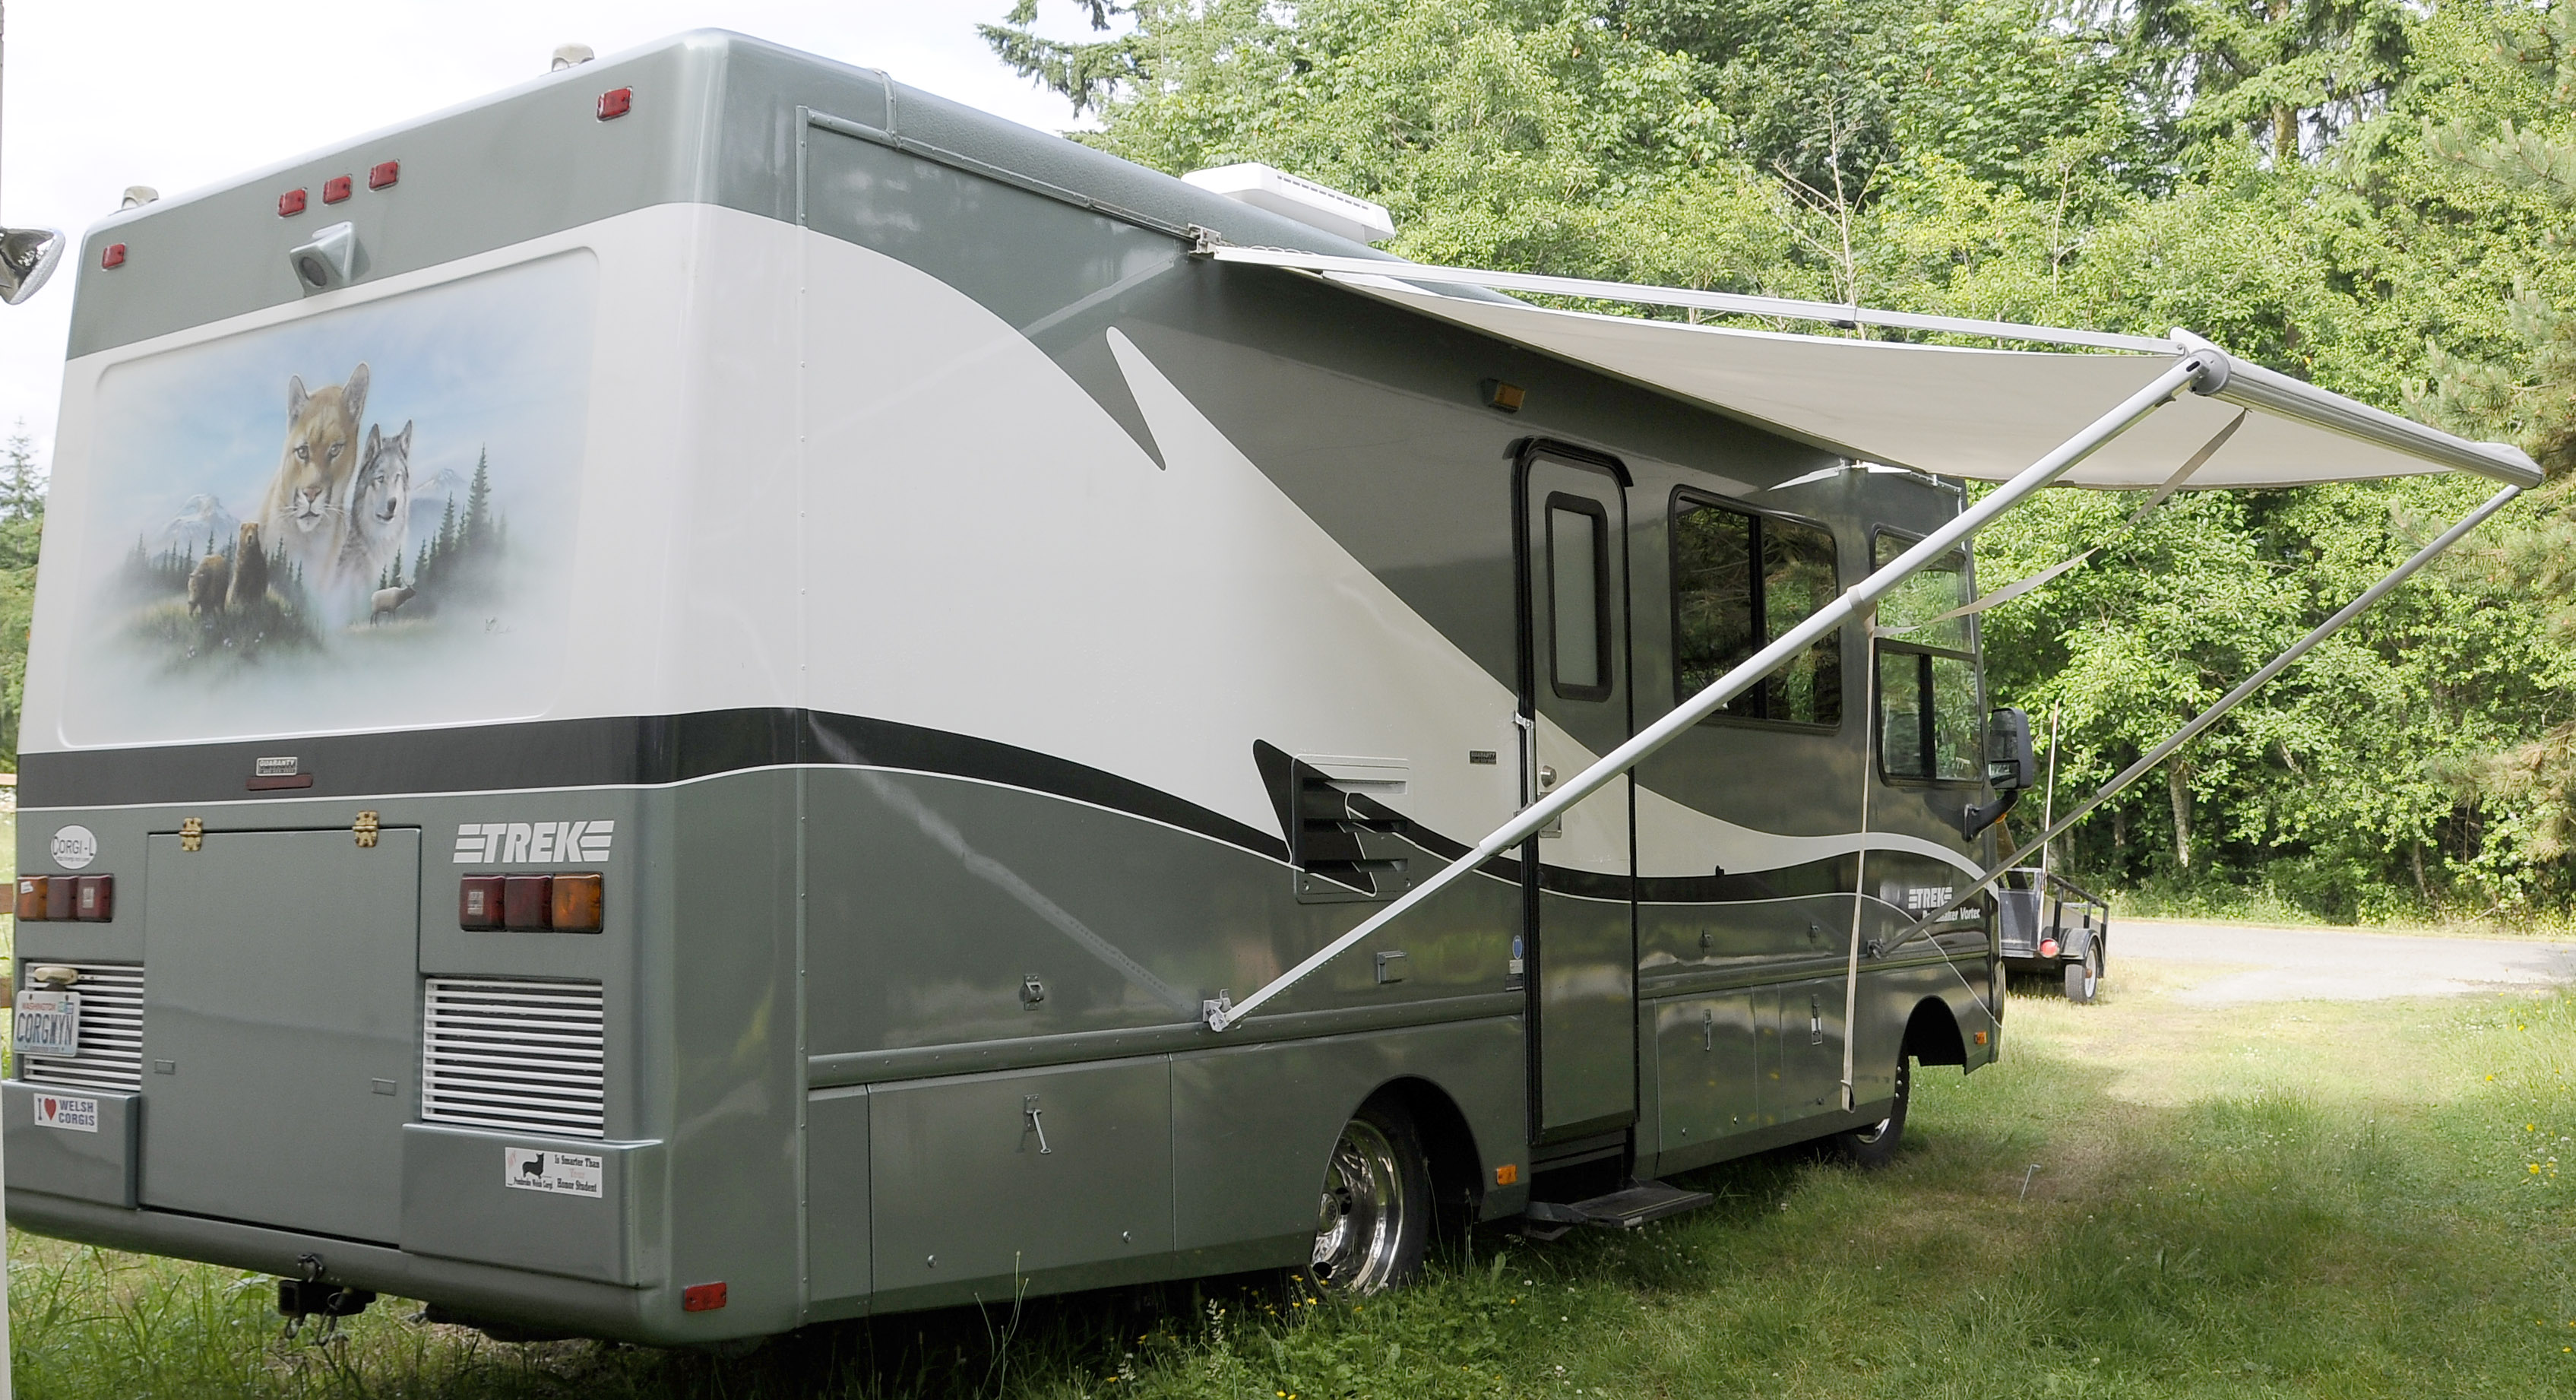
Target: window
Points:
x,y
1578,587
1927,678
1740,580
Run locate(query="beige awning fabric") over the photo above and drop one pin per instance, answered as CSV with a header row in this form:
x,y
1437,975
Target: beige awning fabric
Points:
x,y
1956,411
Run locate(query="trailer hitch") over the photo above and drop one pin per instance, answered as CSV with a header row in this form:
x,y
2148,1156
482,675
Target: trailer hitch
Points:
x,y
311,1295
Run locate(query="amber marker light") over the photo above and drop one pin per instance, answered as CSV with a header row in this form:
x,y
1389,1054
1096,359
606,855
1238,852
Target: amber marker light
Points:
x,y
576,903
1507,1174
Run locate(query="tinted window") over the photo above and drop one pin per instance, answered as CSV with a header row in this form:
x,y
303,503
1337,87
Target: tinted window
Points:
x,y
1739,581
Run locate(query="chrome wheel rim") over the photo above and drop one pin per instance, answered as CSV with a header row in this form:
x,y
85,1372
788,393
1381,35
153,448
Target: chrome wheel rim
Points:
x,y
1359,1220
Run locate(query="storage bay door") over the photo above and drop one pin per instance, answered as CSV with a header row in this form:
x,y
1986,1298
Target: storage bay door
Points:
x,y
1577,899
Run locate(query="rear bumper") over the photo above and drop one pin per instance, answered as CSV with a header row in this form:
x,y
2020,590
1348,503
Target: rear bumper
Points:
x,y
592,1259
650,1316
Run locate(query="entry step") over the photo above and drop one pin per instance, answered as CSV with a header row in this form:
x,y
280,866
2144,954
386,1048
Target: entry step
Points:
x,y
1620,1210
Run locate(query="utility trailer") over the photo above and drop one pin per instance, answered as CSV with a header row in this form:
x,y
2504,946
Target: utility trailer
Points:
x,y
714,694
2047,925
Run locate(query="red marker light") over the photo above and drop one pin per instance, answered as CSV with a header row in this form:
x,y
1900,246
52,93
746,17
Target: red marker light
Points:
x,y
290,204
337,188
526,901
94,898
384,175
113,257
478,904
613,104
31,898
702,1297
2048,947
58,897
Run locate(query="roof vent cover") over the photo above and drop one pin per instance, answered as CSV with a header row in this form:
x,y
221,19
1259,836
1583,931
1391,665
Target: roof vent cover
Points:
x,y
1293,197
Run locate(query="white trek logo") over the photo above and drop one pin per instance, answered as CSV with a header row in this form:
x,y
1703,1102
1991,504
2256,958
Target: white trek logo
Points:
x,y
532,843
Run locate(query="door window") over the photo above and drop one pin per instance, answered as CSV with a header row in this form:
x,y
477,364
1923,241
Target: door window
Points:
x,y
1578,590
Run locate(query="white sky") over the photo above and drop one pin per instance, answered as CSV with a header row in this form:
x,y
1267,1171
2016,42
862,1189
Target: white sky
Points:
x,y
177,94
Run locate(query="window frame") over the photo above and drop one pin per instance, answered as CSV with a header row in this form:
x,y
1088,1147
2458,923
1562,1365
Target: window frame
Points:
x,y
1926,719
1699,498
1603,656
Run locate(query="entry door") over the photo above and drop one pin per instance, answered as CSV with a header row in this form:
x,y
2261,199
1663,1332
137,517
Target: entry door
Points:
x,y
1577,897
280,1018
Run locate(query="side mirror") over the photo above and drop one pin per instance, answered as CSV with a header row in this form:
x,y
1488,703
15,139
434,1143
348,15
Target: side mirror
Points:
x,y
2010,764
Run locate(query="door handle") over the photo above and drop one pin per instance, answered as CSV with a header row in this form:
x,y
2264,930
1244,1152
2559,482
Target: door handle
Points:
x,y
1708,1031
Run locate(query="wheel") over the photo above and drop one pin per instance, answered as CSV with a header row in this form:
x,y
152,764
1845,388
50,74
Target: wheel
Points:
x,y
1875,1146
1373,1218
2084,979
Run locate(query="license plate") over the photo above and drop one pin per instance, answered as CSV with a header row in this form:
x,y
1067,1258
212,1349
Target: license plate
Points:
x,y
46,1023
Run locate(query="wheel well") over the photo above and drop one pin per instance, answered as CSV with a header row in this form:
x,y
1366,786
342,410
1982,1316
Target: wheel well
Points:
x,y
1457,1171
1932,1036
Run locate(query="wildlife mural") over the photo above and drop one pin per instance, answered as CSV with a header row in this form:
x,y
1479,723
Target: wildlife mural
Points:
x,y
309,525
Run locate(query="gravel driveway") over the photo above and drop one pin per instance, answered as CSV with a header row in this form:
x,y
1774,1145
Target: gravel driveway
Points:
x,y
2327,964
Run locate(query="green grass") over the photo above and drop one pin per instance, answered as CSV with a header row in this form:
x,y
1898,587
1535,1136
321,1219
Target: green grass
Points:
x,y
2291,1199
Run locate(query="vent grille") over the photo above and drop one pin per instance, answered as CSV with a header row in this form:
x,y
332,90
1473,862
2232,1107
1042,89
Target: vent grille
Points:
x,y
519,1055
111,1033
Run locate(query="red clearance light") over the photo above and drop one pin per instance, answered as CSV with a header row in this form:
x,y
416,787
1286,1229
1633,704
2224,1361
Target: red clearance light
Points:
x,y
58,897
2048,947
94,898
337,188
525,901
576,904
615,103
702,1297
31,898
383,175
113,257
290,204
478,903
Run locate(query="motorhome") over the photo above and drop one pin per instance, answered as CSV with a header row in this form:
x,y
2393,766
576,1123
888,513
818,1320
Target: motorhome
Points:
x,y
714,694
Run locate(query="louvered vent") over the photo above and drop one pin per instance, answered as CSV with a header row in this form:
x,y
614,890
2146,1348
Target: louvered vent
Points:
x,y
111,1032
520,1055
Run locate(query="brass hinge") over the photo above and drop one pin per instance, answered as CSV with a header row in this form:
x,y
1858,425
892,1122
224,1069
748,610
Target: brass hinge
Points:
x,y
366,831
192,833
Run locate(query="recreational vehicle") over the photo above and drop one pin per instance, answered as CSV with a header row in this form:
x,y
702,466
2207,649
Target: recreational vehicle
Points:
x,y
714,694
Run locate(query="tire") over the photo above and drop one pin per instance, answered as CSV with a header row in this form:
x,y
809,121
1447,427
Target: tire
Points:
x,y
1373,1214
1875,1146
2084,979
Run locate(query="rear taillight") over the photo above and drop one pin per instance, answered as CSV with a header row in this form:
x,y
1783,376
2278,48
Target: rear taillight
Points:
x,y
54,898
530,903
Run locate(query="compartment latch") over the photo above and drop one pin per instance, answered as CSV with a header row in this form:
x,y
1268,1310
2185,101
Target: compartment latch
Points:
x,y
192,833
365,831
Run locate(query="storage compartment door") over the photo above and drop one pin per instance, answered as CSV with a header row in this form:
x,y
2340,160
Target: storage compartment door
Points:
x,y
280,1020
1704,1061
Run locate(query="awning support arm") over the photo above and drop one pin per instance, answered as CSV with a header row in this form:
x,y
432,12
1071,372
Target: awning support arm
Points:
x,y
2148,761
2199,369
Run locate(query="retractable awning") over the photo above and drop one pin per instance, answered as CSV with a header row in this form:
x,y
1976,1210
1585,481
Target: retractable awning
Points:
x,y
1965,411
2147,413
